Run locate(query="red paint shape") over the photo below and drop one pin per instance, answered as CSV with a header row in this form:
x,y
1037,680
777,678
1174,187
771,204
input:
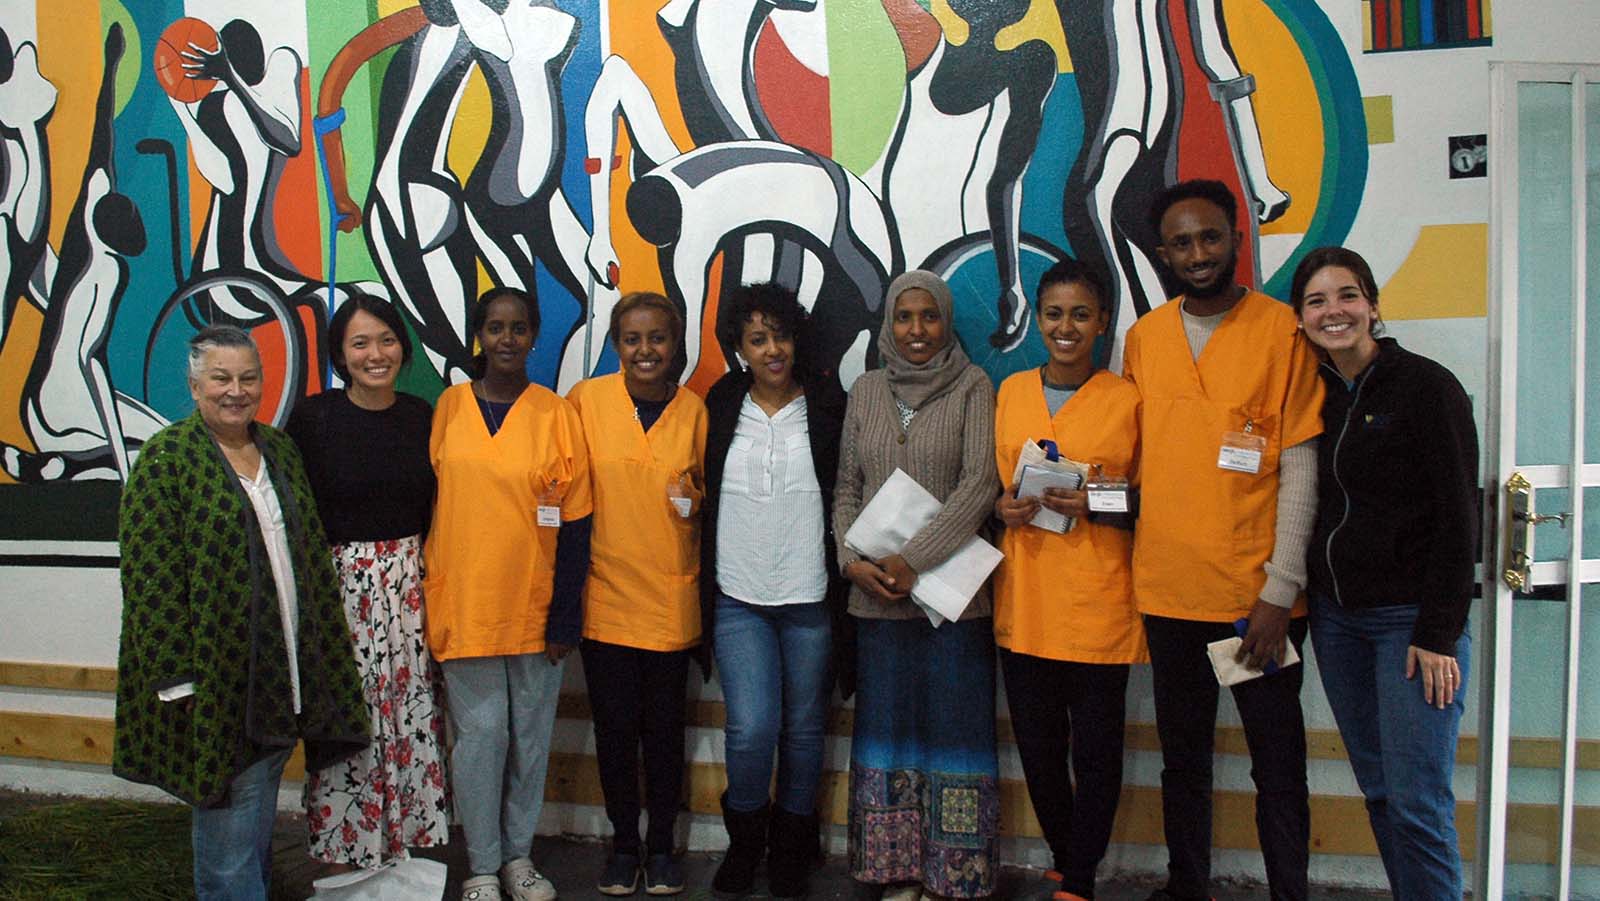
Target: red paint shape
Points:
x,y
1397,23
616,162
168,59
712,364
270,342
1474,19
591,165
1380,24
794,98
295,220
1203,147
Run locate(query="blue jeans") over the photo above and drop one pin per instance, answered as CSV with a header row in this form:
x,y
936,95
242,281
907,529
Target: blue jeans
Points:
x,y
233,842
774,669
1403,750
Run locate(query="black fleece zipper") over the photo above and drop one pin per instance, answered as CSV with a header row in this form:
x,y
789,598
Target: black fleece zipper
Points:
x,y
1327,551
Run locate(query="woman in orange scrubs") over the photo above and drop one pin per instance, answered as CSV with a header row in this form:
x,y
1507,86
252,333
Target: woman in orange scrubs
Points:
x,y
505,567
647,440
1063,603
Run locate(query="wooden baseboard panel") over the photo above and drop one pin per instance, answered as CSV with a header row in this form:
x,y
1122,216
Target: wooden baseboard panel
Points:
x,y
1321,744
1338,823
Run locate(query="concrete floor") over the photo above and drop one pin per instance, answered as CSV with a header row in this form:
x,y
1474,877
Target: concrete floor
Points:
x,y
574,865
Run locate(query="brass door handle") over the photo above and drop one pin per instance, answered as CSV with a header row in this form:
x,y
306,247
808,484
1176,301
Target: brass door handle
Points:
x,y
1517,573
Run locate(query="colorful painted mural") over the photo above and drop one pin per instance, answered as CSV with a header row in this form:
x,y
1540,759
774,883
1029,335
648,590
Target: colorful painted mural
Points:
x,y
173,163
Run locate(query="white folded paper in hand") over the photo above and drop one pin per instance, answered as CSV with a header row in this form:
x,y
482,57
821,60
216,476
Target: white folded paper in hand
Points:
x,y
900,510
1036,472
1231,672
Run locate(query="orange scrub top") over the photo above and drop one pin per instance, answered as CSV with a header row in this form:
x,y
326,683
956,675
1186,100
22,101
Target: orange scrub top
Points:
x,y
644,571
1205,533
490,566
1068,597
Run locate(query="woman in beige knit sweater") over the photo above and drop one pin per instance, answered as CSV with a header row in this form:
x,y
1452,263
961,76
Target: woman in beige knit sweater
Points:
x,y
924,801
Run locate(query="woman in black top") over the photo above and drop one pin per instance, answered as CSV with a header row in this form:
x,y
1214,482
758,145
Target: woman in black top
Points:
x,y
771,598
366,453
1390,566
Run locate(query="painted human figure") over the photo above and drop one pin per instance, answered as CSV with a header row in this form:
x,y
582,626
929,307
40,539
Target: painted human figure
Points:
x,y
413,210
1129,80
424,227
26,102
80,426
241,135
969,123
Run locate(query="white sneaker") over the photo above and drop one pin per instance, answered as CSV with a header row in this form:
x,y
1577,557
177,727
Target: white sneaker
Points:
x,y
524,882
481,888
903,893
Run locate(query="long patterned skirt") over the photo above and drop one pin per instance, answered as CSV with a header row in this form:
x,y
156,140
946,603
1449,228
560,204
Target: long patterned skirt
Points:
x,y
368,808
924,777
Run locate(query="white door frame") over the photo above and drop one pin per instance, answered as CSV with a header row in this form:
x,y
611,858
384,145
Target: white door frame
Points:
x,y
1494,731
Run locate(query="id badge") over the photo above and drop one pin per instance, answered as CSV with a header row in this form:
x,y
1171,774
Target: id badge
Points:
x,y
678,493
549,509
1242,451
1108,496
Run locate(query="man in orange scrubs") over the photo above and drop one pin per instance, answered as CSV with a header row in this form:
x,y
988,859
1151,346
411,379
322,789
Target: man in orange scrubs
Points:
x,y
1231,410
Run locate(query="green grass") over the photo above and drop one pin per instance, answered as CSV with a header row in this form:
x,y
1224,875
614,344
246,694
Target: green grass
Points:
x,y
96,849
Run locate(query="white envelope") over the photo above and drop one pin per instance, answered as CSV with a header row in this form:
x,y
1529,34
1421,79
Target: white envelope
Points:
x,y
900,510
1231,672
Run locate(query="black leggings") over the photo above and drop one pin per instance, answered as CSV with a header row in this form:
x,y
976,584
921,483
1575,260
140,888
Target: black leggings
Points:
x,y
638,698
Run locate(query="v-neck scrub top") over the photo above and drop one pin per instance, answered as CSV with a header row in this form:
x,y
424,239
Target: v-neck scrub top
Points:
x,y
644,571
1206,533
490,565
1068,597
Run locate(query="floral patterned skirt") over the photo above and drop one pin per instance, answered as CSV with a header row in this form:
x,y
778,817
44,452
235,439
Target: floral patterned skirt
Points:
x,y
368,808
924,775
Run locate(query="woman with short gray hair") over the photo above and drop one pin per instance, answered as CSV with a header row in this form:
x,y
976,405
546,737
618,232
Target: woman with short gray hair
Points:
x,y
234,644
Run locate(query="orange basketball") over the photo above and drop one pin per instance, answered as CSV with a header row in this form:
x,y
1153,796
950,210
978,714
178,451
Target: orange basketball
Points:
x,y
169,59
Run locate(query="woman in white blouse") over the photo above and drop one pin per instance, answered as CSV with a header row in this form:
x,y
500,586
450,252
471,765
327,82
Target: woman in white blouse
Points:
x,y
771,597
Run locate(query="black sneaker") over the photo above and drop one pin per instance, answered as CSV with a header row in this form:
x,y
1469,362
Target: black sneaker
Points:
x,y
663,875
621,875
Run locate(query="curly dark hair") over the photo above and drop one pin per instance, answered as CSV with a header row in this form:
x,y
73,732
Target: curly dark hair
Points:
x,y
778,305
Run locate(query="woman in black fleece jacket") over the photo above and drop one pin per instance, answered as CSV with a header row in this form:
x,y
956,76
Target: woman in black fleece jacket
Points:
x,y
1390,566
771,597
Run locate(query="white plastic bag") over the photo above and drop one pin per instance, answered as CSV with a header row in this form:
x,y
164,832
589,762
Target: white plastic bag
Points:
x,y
403,879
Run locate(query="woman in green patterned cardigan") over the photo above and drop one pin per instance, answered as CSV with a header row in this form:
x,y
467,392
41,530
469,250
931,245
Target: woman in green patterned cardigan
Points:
x,y
234,641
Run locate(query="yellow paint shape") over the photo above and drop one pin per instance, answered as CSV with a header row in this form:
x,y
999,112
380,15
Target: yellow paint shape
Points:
x,y
16,358
469,131
1286,108
1040,23
71,57
389,7
1379,112
1446,275
1366,25
956,30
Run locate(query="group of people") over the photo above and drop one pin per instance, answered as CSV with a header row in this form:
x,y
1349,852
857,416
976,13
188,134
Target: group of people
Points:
x,y
1255,462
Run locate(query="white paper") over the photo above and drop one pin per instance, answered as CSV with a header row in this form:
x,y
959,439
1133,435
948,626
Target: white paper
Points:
x,y
900,510
1230,671
892,517
549,517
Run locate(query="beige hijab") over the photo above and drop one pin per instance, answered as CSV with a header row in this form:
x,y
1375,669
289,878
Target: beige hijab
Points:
x,y
916,384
